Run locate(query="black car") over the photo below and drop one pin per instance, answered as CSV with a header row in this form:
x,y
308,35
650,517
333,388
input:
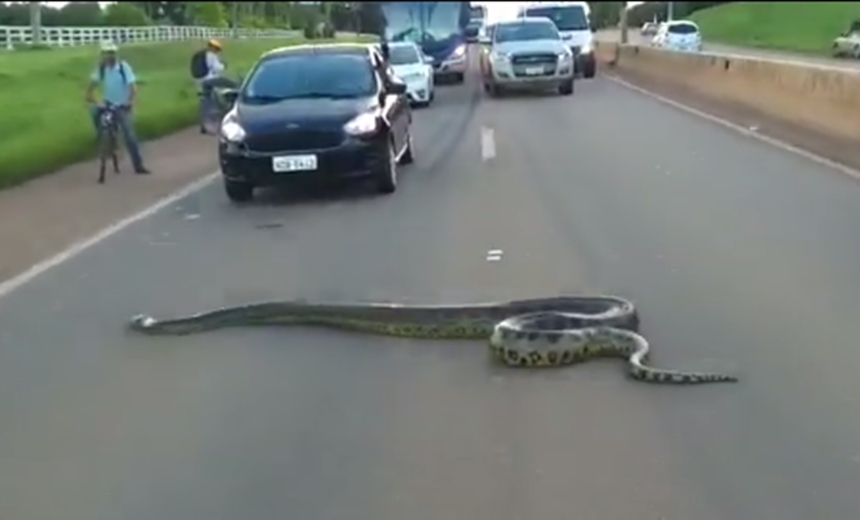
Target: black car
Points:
x,y
316,113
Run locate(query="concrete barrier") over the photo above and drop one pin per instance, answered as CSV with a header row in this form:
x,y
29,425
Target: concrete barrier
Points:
x,y
821,98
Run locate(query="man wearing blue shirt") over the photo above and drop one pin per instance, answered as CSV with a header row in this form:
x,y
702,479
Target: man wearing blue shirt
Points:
x,y
118,86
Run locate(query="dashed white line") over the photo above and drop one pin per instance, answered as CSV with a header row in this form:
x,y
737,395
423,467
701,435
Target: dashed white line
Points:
x,y
494,255
488,143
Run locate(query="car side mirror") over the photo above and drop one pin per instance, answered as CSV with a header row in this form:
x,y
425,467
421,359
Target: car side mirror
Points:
x,y
396,87
230,95
427,60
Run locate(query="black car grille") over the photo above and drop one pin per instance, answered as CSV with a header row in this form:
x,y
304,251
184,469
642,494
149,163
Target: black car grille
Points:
x,y
534,59
294,141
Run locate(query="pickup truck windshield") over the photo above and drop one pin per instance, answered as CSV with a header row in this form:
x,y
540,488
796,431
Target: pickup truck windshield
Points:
x,y
525,31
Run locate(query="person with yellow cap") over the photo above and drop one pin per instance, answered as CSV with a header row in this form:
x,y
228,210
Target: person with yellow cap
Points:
x,y
207,68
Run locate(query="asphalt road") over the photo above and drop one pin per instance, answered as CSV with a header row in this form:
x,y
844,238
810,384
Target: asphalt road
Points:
x,y
635,38
741,257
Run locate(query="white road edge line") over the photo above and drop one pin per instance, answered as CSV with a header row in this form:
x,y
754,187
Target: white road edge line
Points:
x,y
488,143
8,286
842,168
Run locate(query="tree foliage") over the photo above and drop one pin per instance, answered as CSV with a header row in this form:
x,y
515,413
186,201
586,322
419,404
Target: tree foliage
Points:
x,y
125,14
343,16
605,14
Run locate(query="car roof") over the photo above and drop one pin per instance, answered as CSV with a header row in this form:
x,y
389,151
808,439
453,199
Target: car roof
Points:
x,y
356,49
524,20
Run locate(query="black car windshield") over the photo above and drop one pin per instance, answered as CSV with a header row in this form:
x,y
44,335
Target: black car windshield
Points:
x,y
524,31
569,18
402,55
310,76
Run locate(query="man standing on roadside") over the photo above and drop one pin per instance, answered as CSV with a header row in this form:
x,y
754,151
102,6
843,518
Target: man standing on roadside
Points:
x,y
206,69
118,87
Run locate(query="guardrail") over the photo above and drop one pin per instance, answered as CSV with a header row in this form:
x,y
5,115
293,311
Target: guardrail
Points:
x,y
12,36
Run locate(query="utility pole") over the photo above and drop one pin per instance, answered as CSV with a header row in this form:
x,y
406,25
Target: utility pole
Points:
x,y
36,22
234,15
670,14
623,23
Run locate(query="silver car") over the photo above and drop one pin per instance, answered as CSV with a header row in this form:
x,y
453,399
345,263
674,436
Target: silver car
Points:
x,y
527,53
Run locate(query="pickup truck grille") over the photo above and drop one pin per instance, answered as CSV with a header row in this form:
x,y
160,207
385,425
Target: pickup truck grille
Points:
x,y
534,59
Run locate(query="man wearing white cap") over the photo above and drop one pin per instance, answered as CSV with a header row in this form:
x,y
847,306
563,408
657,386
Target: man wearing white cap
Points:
x,y
118,86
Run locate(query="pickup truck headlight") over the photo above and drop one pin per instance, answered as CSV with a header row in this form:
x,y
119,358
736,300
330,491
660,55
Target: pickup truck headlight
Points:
x,y
499,57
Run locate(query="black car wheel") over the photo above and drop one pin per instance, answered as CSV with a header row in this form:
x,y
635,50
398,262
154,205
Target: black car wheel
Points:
x,y
239,191
589,70
566,88
386,172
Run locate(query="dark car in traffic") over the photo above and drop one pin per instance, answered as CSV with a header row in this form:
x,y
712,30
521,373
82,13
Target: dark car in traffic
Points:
x,y
316,113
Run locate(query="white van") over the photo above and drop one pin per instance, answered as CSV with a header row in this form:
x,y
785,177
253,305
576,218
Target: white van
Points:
x,y
679,35
573,20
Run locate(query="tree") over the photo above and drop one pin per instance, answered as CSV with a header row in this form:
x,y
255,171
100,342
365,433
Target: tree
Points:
x,y
125,14
210,14
81,14
605,14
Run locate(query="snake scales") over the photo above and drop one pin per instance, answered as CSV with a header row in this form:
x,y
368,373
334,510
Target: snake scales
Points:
x,y
525,333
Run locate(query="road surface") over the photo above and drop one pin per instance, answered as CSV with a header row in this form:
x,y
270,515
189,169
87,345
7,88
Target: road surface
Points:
x,y
741,257
634,37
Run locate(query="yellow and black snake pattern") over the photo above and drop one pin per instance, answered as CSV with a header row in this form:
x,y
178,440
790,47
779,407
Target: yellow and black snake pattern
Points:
x,y
544,332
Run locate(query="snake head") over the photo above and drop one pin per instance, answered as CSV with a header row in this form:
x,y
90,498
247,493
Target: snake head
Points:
x,y
142,321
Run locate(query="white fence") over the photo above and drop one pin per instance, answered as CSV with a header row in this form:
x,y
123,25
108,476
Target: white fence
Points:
x,y
11,36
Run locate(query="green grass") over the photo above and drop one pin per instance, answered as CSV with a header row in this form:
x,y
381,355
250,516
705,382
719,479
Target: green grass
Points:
x,y
44,122
808,27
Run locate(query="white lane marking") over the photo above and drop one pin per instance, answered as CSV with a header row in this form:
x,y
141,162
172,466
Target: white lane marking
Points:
x,y
8,286
494,255
488,143
782,145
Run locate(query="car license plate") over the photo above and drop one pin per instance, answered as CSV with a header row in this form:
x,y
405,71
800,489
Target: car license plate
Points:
x,y
533,71
294,163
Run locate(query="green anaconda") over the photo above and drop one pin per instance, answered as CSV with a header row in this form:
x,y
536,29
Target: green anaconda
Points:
x,y
524,333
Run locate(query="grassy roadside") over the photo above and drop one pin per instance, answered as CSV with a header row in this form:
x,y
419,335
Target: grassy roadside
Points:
x,y
807,27
44,123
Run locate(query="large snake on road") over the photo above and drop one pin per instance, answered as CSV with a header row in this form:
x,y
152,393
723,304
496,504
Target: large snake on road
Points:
x,y
524,333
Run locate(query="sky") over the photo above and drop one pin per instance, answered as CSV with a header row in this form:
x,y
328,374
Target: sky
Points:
x,y
506,10
495,10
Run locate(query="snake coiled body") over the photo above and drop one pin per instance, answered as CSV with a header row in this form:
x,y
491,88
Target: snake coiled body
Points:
x,y
541,332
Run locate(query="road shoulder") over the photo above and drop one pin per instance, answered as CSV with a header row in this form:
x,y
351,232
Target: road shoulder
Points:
x,y
784,129
49,214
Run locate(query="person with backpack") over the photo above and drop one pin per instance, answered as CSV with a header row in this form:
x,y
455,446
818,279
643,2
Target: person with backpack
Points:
x,y
206,69
118,87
